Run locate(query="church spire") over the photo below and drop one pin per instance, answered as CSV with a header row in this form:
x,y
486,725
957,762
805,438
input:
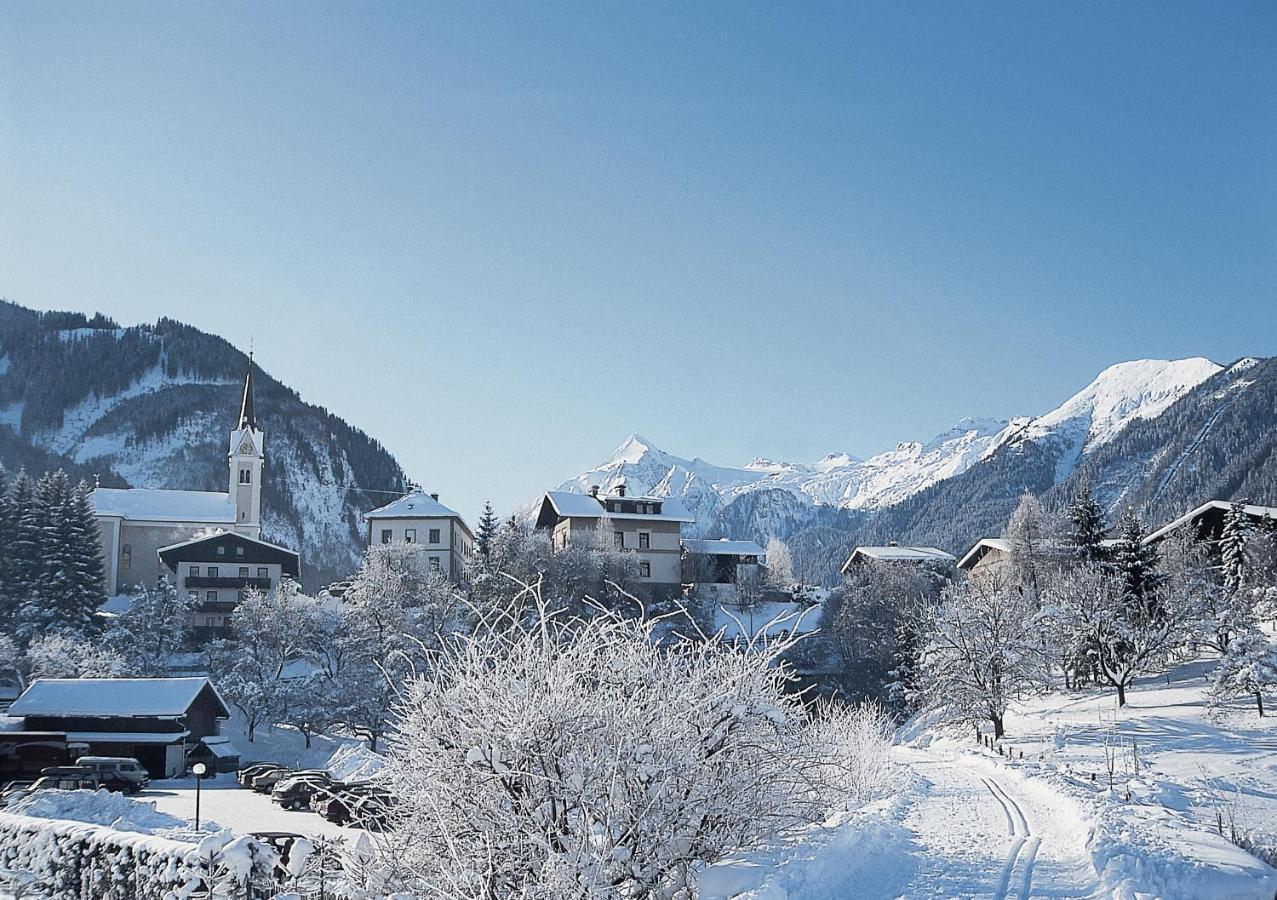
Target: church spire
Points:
x,y
247,414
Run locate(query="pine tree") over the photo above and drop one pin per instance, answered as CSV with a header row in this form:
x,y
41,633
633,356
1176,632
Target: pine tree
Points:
x,y
1088,525
488,527
85,542
1232,547
24,549
7,527
1136,562
67,581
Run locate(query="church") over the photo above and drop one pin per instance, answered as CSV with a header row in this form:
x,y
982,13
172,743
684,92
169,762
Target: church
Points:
x,y
148,533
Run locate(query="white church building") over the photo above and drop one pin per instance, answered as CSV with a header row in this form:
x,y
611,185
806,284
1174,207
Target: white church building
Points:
x,y
137,523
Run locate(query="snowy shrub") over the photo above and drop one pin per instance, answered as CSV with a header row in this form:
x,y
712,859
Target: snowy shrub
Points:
x,y
853,747
555,757
1248,668
67,655
74,860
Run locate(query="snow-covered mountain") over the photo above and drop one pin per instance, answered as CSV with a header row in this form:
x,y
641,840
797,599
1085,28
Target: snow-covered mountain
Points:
x,y
1120,395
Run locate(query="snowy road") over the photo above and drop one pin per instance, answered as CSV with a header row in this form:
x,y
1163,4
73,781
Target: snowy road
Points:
x,y
973,834
226,803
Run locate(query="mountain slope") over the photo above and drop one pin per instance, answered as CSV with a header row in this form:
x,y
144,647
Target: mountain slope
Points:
x,y
151,406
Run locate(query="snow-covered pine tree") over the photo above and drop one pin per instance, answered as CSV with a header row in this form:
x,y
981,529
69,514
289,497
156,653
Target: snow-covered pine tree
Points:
x,y
7,526
487,531
24,548
1233,553
1088,525
1249,667
1033,546
88,573
68,586
1136,562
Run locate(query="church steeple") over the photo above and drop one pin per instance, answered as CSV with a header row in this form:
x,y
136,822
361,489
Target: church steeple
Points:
x,y
247,414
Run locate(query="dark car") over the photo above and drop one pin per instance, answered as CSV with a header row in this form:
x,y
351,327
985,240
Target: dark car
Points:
x,y
246,775
295,791
263,782
373,812
336,804
67,781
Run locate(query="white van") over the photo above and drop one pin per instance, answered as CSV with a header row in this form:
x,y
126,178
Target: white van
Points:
x,y
117,773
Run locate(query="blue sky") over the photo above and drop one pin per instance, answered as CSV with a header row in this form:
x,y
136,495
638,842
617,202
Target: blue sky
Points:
x,y
501,237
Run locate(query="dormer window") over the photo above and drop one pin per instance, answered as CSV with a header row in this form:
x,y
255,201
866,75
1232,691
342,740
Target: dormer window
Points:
x,y
245,475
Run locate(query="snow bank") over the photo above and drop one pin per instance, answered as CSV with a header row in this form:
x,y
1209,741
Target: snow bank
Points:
x,y
100,807
354,762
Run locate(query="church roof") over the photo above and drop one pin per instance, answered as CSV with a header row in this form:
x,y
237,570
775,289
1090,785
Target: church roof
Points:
x,y
247,411
149,504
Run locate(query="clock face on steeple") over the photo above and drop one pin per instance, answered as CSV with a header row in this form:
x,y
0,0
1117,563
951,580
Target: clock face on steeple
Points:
x,y
246,447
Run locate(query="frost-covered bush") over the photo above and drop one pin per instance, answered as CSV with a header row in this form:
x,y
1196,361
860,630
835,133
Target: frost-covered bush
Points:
x,y
853,746
559,757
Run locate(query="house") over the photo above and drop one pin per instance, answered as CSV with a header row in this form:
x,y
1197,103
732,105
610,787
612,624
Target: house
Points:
x,y
717,567
989,556
894,553
651,527
443,540
135,523
1207,521
219,569
155,720
216,752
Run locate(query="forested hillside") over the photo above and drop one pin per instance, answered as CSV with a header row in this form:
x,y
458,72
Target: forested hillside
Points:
x,y
151,406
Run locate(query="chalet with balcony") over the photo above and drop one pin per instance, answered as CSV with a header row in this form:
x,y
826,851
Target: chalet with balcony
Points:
x,y
651,527
219,569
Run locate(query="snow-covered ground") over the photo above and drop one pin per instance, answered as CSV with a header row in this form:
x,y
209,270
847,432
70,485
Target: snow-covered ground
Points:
x,y
969,822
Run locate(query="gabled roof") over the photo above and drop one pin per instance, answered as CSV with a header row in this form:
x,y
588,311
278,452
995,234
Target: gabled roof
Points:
x,y
981,548
148,504
414,505
113,697
724,547
289,560
1257,512
899,554
570,504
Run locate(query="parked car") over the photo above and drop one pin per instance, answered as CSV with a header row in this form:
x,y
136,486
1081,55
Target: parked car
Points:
x,y
279,841
295,791
337,806
66,781
15,789
372,812
117,773
246,775
263,782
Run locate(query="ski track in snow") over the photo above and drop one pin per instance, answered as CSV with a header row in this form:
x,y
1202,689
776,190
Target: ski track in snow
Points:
x,y
977,837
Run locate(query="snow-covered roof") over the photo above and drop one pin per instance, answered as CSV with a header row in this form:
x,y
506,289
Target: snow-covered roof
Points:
x,y
569,504
127,737
217,534
148,504
110,697
1257,512
899,554
415,505
724,547
220,746
983,546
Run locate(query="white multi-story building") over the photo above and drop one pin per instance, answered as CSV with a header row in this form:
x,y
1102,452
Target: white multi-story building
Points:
x,y
651,527
441,536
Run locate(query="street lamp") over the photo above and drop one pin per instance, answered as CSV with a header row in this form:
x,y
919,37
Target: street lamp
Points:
x,y
199,769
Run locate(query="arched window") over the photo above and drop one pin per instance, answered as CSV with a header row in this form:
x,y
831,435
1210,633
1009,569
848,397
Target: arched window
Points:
x,y
126,556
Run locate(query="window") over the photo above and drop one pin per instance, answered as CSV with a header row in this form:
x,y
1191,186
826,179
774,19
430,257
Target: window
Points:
x,y
195,571
245,475
434,564
385,535
239,551
212,571
410,535
221,551
243,571
126,556
434,535
262,573
211,596
645,569
618,540
645,540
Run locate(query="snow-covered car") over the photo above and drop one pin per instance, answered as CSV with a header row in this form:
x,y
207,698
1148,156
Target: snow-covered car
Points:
x,y
295,791
14,790
246,775
336,804
372,812
267,780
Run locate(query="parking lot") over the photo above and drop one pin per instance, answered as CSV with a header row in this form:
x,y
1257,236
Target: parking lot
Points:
x,y
223,801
